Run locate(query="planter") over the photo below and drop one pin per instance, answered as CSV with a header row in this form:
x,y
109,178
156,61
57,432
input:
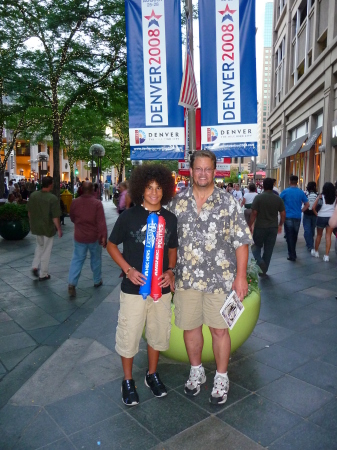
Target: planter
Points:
x,y
14,230
239,334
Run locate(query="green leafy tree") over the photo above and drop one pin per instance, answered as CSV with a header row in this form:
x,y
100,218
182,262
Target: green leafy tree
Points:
x,y
83,126
233,178
79,48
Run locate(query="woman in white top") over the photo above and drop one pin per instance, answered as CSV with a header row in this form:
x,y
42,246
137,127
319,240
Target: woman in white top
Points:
x,y
323,215
248,200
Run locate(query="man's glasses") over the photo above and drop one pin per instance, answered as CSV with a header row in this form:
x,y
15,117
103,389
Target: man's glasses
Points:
x,y
208,170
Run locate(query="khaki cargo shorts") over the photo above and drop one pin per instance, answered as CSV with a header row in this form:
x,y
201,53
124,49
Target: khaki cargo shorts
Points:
x,y
134,312
194,308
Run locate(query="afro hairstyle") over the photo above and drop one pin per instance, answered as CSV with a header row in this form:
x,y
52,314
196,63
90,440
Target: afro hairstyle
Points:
x,y
143,175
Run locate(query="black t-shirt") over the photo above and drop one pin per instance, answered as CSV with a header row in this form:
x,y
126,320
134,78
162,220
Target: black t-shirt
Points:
x,y
130,230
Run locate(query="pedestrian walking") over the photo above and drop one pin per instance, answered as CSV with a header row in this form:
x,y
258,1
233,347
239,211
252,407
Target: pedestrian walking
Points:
x,y
106,190
248,200
237,194
124,199
151,187
293,199
44,217
212,260
87,214
326,211
265,210
309,217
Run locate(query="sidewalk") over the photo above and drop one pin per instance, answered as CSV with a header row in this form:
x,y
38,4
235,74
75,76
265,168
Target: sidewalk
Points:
x,y
37,317
283,379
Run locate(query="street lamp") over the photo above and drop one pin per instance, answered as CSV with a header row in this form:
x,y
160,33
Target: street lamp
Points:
x,y
98,151
43,157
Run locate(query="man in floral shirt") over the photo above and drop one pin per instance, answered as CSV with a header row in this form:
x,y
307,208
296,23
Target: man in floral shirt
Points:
x,y
212,260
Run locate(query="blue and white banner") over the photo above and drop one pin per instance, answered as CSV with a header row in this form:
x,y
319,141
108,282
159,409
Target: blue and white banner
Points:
x,y
228,77
154,58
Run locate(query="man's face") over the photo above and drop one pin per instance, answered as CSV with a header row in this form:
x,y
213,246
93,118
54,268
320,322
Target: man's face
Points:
x,y
237,187
203,172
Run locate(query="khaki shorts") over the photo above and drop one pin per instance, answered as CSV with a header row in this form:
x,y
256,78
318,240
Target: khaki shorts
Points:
x,y
194,308
133,313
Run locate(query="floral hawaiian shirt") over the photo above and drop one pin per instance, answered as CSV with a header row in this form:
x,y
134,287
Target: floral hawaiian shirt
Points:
x,y
207,242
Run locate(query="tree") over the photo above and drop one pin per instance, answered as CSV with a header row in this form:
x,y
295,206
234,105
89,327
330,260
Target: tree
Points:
x,y
233,178
83,126
81,50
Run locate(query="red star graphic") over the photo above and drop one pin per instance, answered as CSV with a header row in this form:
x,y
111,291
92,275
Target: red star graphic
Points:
x,y
153,14
227,10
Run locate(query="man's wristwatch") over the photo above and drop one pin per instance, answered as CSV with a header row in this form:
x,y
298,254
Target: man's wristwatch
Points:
x,y
172,269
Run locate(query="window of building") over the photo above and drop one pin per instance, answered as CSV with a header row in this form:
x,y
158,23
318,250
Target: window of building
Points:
x,y
300,70
279,60
263,147
299,131
319,120
276,151
322,41
280,5
302,10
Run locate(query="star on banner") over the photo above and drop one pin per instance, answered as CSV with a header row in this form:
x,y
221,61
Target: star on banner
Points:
x,y
153,15
228,11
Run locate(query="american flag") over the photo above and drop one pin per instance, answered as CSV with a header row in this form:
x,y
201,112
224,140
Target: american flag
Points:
x,y
188,91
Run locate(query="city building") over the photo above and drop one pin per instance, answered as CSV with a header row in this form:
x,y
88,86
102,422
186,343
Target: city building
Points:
x,y
303,108
264,100
33,161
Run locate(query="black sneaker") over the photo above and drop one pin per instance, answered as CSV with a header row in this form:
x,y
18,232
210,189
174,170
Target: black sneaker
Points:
x,y
155,384
129,393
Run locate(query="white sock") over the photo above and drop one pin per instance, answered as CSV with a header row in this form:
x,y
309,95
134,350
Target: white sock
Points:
x,y
221,374
197,367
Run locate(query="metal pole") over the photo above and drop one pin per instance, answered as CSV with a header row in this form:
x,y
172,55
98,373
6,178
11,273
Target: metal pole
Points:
x,y
254,169
240,171
191,113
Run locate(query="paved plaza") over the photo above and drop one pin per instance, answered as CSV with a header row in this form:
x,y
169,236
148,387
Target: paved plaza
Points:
x,y
61,377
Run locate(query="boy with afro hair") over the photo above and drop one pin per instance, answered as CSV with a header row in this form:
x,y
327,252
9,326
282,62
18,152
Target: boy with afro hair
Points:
x,y
150,187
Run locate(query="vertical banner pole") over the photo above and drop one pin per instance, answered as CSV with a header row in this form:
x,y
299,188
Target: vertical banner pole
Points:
x,y
187,141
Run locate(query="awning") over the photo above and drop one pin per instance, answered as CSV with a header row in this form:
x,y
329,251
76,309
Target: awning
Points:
x,y
293,147
311,141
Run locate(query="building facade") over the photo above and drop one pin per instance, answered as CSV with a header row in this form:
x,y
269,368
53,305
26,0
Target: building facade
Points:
x,y
264,100
303,108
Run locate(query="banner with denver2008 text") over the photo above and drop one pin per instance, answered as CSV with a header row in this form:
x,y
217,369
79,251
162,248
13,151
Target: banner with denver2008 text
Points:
x,y
228,77
154,59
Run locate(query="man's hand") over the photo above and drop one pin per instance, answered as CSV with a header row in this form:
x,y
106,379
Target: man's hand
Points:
x,y
103,242
59,232
240,286
279,230
167,280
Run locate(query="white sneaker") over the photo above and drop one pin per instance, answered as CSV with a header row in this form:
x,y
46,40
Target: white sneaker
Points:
x,y
220,390
314,253
196,378
326,258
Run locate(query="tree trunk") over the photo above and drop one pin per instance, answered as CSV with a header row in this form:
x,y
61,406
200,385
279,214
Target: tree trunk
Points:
x,y
71,167
56,161
2,180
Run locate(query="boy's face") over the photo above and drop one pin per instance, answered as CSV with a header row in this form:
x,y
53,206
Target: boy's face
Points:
x,y
152,196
